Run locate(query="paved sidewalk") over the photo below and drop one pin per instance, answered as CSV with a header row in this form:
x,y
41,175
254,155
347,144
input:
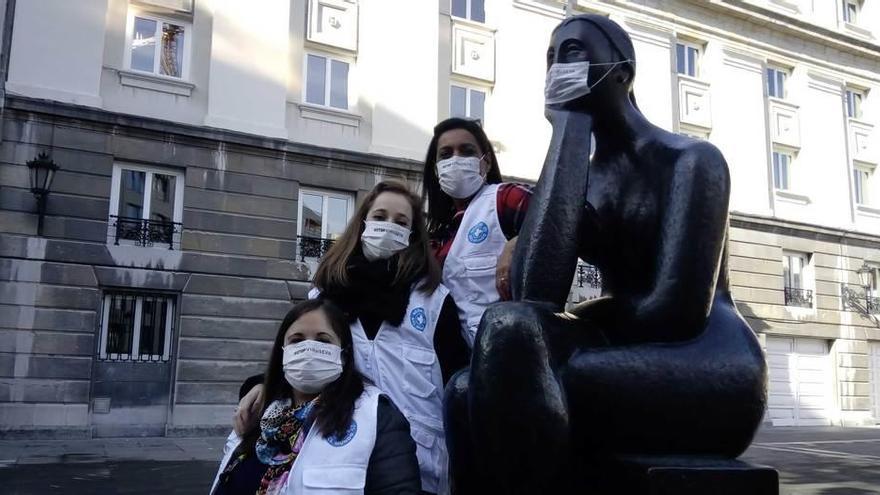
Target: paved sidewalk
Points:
x,y
19,452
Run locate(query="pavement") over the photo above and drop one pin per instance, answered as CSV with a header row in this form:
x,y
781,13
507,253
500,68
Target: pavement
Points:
x,y
811,461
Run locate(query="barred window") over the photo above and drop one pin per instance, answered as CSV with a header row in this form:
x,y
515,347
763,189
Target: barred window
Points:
x,y
136,327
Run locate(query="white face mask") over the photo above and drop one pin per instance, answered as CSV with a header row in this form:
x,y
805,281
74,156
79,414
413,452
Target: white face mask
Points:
x,y
567,82
460,176
381,240
310,365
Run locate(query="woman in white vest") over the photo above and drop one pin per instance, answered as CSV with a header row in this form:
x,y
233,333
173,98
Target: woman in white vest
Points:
x,y
407,337
473,218
323,430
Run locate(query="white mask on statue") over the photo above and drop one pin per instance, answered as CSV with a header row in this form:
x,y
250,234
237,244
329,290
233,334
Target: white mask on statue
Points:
x,y
567,82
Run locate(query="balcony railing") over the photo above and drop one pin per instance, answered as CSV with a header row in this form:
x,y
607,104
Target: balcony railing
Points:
x,y
143,232
802,298
589,275
312,247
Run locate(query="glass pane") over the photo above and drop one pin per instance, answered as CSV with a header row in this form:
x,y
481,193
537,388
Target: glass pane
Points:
x,y
780,84
171,62
131,194
143,44
857,185
459,8
680,58
162,201
339,84
457,102
478,11
692,61
478,103
771,82
120,324
153,318
337,216
312,215
786,270
316,75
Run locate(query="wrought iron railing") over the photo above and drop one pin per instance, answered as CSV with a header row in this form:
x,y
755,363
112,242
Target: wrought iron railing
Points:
x,y
802,298
589,275
145,232
873,305
312,247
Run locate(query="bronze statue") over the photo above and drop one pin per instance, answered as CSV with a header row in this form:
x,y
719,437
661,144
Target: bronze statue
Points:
x,y
662,365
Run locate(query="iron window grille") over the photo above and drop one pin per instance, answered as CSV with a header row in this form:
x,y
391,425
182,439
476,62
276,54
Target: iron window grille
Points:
x,y
145,232
312,247
802,298
136,327
589,275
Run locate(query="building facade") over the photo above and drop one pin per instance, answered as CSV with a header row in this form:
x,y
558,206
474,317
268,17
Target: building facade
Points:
x,y
210,150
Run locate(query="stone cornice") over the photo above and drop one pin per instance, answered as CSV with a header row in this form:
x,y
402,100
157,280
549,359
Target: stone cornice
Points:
x,y
804,230
202,136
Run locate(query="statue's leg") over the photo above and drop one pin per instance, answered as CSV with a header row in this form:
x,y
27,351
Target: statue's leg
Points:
x,y
519,416
464,474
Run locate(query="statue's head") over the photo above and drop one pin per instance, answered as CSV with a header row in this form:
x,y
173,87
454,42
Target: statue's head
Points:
x,y
590,61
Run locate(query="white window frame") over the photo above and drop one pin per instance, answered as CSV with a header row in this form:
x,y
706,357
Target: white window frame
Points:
x,y
116,186
327,71
467,100
469,11
862,188
851,96
807,282
325,194
698,48
845,16
135,355
786,77
187,42
788,168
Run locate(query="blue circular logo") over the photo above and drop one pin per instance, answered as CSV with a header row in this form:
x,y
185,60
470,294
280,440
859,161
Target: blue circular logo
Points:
x,y
419,319
338,441
478,233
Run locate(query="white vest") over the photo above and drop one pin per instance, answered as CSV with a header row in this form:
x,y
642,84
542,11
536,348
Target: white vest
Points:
x,y
333,465
469,270
401,361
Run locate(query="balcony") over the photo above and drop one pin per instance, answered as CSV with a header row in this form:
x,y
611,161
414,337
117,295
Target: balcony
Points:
x,y
862,147
312,248
473,50
145,233
785,126
694,104
588,276
801,298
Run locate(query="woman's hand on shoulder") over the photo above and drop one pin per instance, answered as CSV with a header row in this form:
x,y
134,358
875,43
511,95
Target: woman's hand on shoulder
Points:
x,y
502,270
247,413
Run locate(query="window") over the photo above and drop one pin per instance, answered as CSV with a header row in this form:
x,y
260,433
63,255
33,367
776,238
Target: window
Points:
x,y
850,11
157,45
322,218
136,327
861,185
854,99
326,82
781,170
467,102
474,10
687,59
794,281
776,79
146,206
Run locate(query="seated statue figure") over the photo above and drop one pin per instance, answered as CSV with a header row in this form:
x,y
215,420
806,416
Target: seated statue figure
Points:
x,y
662,365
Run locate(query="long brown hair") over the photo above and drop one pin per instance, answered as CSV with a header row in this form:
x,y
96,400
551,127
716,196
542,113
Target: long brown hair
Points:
x,y
440,205
333,413
414,262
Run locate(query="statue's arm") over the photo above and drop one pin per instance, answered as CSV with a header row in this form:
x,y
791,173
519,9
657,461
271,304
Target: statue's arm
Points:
x,y
545,256
693,226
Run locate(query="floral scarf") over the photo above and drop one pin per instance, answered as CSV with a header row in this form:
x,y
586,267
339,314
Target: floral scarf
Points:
x,y
283,430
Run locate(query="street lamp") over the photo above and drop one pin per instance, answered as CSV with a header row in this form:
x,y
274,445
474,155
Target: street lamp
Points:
x,y
42,171
861,302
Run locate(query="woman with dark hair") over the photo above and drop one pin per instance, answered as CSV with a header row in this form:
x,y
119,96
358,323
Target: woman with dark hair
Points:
x,y
322,427
473,218
407,337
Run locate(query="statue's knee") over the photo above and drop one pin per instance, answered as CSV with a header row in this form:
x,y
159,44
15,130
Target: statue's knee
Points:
x,y
455,396
511,323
